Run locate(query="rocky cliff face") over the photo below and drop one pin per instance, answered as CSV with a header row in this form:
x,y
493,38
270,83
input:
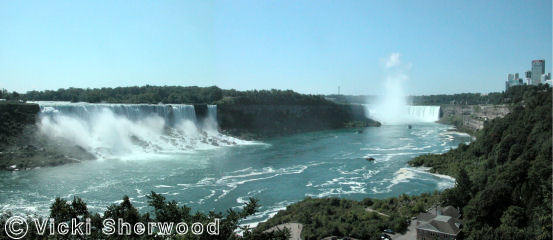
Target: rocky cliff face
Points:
x,y
471,118
23,147
14,119
259,121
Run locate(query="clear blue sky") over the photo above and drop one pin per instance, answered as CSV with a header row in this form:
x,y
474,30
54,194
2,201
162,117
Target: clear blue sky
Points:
x,y
306,46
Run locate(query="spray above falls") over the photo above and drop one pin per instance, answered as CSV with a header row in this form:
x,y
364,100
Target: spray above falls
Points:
x,y
392,107
131,130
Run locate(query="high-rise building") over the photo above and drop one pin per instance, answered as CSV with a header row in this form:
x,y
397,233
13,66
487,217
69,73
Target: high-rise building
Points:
x,y
528,78
510,77
544,78
538,69
533,77
513,80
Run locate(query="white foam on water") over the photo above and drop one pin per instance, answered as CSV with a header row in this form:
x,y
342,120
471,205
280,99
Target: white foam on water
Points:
x,y
211,194
132,131
264,214
355,189
231,180
445,185
242,170
424,170
462,134
404,175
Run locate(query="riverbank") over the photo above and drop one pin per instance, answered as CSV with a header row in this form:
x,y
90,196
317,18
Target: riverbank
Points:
x,y
512,154
23,147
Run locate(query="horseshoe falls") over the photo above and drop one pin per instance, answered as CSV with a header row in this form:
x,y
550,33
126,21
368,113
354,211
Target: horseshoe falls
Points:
x,y
424,113
403,114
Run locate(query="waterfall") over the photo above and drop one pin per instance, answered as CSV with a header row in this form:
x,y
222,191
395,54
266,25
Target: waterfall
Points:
x,y
403,114
212,111
171,113
122,130
392,106
424,113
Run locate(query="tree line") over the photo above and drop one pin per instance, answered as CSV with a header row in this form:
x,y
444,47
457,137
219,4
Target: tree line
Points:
x,y
512,95
503,178
460,98
169,95
211,95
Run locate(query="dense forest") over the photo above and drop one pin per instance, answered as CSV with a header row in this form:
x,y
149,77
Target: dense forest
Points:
x,y
144,94
163,211
272,97
169,94
460,98
324,217
213,94
356,99
441,99
504,177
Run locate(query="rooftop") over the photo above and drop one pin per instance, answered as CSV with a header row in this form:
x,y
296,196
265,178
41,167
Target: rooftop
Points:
x,y
446,220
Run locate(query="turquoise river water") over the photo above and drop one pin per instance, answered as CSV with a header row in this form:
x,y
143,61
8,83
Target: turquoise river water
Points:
x,y
277,171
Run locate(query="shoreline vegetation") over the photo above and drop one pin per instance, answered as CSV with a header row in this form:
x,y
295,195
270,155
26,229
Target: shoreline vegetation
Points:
x,y
502,183
503,178
503,188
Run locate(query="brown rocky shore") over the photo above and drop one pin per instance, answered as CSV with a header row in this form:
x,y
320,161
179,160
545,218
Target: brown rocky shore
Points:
x,y
471,118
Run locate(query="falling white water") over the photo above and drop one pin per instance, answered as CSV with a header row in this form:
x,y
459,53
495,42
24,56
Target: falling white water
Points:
x,y
404,114
123,130
424,113
391,107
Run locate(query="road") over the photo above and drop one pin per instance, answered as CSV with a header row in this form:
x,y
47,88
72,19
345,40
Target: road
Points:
x,y
295,229
410,234
379,213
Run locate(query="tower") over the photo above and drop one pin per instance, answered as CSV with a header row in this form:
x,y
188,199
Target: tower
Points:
x,y
538,69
